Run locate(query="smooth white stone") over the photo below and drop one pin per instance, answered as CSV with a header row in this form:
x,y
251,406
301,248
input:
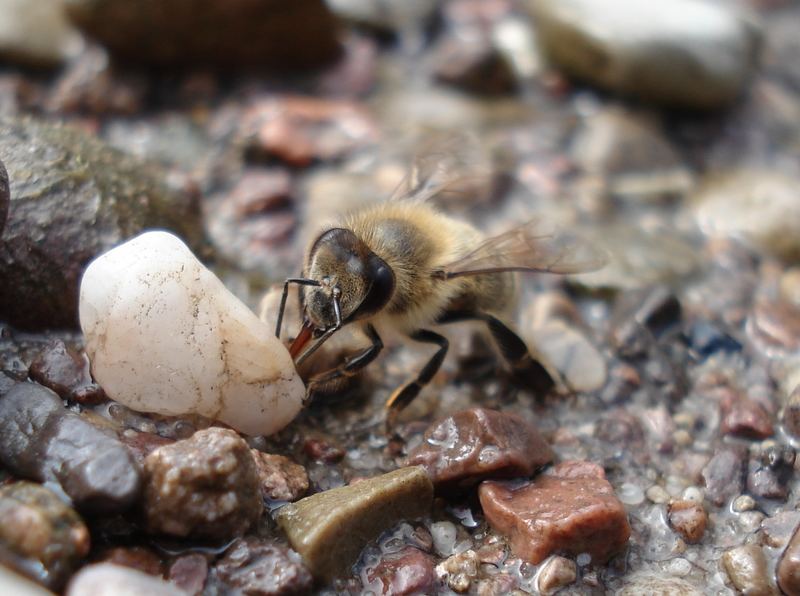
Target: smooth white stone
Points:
x,y
164,335
107,579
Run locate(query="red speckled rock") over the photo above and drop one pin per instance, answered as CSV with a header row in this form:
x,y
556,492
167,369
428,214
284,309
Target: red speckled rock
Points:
x,y
281,479
573,510
473,445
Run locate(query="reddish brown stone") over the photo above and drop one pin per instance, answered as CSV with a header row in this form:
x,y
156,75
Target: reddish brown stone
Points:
x,y
408,571
189,573
744,417
473,445
281,479
559,512
301,130
135,557
689,519
322,450
66,372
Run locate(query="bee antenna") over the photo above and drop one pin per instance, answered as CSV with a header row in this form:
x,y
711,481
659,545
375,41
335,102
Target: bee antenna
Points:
x,y
302,281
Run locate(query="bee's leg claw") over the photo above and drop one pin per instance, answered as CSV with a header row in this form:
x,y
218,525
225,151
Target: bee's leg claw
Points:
x,y
406,394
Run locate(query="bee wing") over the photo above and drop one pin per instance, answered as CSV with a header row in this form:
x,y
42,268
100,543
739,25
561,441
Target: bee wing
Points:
x,y
529,247
445,163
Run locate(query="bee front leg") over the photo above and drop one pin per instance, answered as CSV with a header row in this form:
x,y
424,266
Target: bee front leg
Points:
x,y
404,395
351,365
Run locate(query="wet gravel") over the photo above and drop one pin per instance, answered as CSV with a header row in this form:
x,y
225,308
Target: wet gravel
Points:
x,y
664,460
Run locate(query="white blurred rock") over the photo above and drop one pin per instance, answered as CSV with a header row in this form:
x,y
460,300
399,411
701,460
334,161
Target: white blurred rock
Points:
x,y
106,579
164,335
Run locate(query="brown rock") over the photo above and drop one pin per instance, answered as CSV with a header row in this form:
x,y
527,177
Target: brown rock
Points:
x,y
405,572
189,573
301,130
40,536
724,475
66,372
473,64
689,519
142,444
575,512
746,567
263,568
135,557
206,486
473,445
788,569
230,34
281,479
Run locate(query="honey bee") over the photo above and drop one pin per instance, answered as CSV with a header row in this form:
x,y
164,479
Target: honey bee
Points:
x,y
405,266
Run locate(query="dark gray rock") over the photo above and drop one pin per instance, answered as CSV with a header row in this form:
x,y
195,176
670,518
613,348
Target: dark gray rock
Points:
x,y
232,33
41,440
72,198
65,371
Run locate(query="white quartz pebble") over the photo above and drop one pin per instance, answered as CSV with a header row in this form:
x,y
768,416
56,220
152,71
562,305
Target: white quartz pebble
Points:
x,y
164,335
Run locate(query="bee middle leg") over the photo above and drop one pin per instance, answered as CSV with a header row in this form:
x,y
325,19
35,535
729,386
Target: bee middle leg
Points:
x,y
404,395
351,365
524,367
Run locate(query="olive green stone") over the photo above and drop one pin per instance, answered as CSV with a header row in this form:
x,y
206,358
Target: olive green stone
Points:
x,y
329,529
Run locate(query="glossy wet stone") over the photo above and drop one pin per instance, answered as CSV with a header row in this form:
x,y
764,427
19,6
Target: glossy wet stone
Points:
x,y
66,372
72,198
477,444
689,519
787,571
206,487
573,509
724,475
263,567
556,573
329,529
405,572
42,440
238,34
746,567
107,579
281,479
44,538
459,570
690,54
744,417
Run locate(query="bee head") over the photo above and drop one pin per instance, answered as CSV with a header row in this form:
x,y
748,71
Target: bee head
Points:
x,y
348,273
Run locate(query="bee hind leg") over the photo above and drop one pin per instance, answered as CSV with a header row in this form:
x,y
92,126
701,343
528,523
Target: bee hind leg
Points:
x,y
404,395
350,367
525,369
